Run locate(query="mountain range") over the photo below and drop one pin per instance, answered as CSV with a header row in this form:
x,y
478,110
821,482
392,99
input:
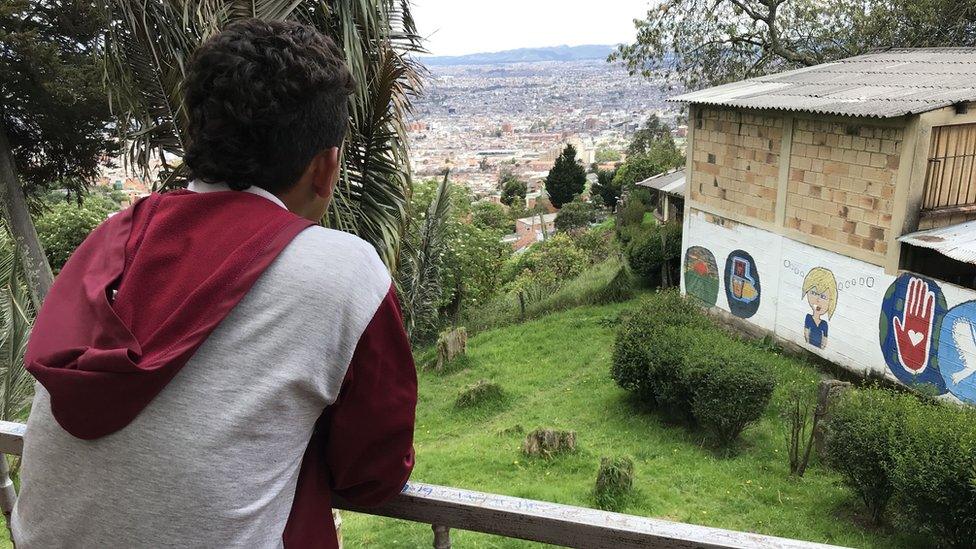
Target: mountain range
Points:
x,y
523,55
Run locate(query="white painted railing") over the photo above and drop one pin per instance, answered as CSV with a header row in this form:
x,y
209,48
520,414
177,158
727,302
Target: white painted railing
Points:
x,y
445,508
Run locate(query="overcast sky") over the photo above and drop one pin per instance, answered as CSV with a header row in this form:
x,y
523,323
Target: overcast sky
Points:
x,y
457,27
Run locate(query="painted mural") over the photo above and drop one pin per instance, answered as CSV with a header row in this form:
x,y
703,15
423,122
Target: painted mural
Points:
x,y
820,291
911,315
957,351
742,288
701,275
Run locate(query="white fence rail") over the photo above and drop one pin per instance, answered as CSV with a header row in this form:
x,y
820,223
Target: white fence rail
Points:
x,y
444,508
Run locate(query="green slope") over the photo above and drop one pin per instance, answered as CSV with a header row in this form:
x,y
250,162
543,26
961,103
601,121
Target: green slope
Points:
x,y
555,371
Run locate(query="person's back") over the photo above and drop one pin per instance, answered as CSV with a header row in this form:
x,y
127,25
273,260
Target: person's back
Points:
x,y
241,439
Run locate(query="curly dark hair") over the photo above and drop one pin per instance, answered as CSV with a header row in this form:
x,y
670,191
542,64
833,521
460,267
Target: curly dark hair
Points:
x,y
263,98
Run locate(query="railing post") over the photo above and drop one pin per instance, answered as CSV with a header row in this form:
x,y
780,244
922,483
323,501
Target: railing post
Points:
x,y
442,537
8,495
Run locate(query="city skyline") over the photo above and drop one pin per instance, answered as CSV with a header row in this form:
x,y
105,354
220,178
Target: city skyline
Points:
x,y
460,28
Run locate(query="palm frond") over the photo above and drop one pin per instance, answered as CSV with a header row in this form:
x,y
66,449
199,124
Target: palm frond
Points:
x,y
16,319
419,280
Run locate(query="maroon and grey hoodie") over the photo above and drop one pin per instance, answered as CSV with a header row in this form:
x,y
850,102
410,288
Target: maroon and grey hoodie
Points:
x,y
212,369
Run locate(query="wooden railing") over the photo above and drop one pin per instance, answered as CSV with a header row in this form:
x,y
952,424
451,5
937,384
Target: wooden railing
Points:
x,y
445,508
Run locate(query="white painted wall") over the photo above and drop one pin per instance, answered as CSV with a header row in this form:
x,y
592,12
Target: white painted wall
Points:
x,y
854,340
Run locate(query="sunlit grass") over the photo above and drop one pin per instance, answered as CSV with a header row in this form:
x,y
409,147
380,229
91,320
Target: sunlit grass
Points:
x,y
555,373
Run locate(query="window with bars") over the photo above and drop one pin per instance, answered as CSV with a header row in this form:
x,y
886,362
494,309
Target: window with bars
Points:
x,y
950,178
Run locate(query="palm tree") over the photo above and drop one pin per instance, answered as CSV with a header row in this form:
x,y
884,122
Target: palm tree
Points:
x,y
419,279
16,319
149,42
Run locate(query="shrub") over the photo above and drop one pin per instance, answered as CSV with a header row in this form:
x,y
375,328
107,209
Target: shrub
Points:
x,y
893,447
575,216
651,346
676,361
803,420
730,389
597,243
614,482
631,213
548,263
654,251
933,465
479,394
860,437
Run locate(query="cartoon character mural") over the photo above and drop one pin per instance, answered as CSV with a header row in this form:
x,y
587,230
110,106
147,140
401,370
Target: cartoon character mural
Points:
x,y
742,288
820,291
957,351
911,314
701,275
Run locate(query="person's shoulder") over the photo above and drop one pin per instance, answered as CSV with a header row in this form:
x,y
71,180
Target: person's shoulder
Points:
x,y
328,254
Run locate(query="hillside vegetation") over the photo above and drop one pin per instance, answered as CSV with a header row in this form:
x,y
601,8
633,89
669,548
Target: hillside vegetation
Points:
x,y
555,373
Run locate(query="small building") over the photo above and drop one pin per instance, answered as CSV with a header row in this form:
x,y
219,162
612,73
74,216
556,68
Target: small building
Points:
x,y
824,205
669,190
529,230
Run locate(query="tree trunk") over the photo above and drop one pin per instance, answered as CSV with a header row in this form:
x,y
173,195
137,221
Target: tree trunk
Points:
x,y
18,219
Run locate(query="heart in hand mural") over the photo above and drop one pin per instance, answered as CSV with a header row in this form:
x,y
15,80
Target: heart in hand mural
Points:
x,y
911,317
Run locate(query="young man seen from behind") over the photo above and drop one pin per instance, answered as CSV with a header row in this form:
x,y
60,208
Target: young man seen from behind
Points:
x,y
213,365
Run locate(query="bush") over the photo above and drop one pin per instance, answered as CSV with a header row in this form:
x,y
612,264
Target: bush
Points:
x,y
597,243
481,393
651,346
631,213
893,447
859,438
934,472
614,483
676,361
730,390
575,216
653,248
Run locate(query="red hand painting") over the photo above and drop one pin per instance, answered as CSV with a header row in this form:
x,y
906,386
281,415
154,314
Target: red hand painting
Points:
x,y
914,330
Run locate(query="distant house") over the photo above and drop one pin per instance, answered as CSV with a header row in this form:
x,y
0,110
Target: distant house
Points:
x,y
824,205
669,189
529,230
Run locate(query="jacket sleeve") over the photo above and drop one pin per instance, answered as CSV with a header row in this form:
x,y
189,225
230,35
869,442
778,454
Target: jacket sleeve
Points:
x,y
370,425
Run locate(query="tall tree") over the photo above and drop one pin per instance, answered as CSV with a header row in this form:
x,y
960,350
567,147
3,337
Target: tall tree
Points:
x,y
652,131
513,191
566,179
698,43
54,112
146,51
607,189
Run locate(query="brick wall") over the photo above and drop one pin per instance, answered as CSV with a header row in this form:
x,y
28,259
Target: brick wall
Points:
x,y
842,181
736,161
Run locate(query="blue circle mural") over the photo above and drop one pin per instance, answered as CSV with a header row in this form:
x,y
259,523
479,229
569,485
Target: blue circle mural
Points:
x,y
911,316
957,351
742,289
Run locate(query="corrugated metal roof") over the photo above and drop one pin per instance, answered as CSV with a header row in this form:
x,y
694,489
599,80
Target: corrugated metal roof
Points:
x,y
887,84
662,180
955,241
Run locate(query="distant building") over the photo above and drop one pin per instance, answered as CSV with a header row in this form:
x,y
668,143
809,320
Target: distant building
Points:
x,y
529,230
844,195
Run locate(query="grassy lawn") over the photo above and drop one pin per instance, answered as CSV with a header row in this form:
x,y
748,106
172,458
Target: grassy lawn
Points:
x,y
555,372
